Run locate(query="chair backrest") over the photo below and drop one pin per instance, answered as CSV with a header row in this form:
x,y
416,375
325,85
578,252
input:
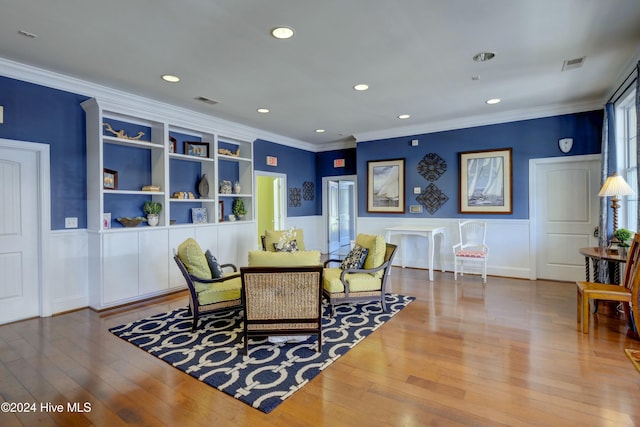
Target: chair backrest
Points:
x,y
282,236
632,264
472,233
187,278
282,293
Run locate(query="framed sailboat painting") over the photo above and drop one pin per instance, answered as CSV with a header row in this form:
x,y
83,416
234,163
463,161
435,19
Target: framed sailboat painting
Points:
x,y
485,182
385,186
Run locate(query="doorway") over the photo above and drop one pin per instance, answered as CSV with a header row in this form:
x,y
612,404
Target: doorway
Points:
x,y
340,207
24,226
270,202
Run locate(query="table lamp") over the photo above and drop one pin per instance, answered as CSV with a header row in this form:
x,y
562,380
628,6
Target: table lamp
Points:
x,y
614,187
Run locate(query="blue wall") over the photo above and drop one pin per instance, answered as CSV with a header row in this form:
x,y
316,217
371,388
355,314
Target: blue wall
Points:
x,y
299,166
529,139
54,117
40,114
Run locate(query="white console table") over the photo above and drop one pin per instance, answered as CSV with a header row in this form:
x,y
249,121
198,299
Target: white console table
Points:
x,y
423,231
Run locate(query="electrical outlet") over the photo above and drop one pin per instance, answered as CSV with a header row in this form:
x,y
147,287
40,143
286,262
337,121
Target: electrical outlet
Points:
x,y
71,222
416,190
414,142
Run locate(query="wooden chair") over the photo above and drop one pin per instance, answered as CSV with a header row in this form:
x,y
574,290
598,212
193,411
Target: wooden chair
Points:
x,y
472,247
282,301
626,293
271,237
206,301
372,281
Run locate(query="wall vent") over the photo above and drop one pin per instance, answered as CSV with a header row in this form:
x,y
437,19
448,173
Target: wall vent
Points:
x,y
207,100
571,64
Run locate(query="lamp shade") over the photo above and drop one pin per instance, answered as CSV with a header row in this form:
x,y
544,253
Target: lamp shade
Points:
x,y
615,185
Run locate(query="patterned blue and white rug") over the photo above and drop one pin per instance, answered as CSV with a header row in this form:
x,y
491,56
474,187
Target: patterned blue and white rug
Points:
x,y
270,372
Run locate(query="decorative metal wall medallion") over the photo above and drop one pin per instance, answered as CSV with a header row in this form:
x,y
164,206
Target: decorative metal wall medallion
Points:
x,y
308,193
432,198
295,197
432,166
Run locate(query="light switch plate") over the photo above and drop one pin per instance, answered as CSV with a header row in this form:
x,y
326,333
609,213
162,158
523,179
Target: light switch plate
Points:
x,y
416,190
1,114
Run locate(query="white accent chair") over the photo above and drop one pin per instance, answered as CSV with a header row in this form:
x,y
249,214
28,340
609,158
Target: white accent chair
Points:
x,y
472,247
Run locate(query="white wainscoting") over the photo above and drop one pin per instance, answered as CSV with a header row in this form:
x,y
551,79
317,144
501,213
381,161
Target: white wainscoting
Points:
x,y
508,242
68,270
313,230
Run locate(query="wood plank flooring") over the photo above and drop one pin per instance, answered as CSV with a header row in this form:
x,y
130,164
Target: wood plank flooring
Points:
x,y
508,355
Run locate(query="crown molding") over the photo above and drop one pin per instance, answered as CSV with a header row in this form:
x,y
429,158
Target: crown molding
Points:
x,y
136,105
481,120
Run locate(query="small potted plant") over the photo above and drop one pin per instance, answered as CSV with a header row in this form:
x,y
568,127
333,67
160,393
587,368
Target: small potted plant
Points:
x,y
622,235
239,211
152,209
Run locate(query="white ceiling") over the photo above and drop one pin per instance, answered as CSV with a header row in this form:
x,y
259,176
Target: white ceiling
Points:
x,y
416,56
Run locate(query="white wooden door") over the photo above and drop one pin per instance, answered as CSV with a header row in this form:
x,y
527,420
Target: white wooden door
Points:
x,y
345,207
333,216
19,228
566,214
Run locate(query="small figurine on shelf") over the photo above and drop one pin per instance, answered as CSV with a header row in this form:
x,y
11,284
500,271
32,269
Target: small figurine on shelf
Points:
x,y
236,187
225,187
238,208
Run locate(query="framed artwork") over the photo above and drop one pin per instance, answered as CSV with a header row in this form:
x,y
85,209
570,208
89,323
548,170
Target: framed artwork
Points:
x,y
220,211
198,149
199,215
385,186
172,144
106,220
485,182
109,179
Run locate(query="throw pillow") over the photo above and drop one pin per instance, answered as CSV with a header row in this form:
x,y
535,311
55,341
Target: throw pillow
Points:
x,y
214,266
355,259
290,246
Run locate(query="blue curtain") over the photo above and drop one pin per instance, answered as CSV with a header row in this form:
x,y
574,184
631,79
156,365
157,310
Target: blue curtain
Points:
x,y
603,235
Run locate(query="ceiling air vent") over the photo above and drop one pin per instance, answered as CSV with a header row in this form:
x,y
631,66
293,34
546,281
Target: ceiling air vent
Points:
x,y
206,100
571,64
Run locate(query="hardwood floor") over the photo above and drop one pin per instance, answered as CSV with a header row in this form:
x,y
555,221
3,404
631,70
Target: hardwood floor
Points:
x,y
510,355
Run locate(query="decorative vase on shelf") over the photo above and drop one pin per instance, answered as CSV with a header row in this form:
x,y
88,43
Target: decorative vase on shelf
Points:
x,y
153,219
237,188
203,187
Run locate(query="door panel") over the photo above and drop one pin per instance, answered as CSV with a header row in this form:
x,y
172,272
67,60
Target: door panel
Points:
x,y
567,213
19,290
334,216
344,211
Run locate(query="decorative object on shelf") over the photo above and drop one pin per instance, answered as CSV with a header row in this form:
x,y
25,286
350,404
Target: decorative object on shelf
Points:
x,y
308,192
152,209
109,179
227,152
225,187
131,222
238,208
172,221
385,186
172,144
220,211
198,149
485,182
432,198
237,188
151,188
432,167
121,134
199,215
231,217
295,197
203,187
183,195
106,220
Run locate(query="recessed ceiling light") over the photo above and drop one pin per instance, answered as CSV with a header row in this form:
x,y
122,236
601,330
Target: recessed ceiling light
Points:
x,y
361,86
404,116
282,32
493,101
483,56
319,130
170,78
263,110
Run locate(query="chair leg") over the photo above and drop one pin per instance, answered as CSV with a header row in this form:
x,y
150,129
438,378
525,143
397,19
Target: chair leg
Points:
x,y
579,309
383,304
484,271
455,268
585,313
194,326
